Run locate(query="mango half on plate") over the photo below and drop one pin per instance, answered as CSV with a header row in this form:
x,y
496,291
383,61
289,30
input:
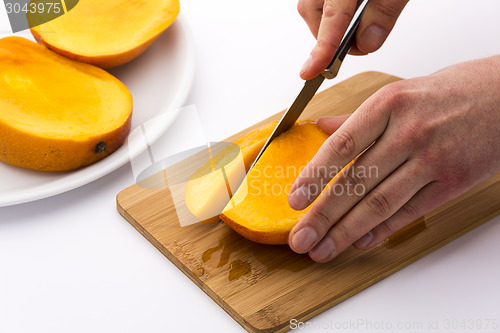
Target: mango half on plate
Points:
x,y
106,33
57,114
259,210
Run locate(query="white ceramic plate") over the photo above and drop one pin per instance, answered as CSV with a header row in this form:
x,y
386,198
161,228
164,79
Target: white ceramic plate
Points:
x,y
159,80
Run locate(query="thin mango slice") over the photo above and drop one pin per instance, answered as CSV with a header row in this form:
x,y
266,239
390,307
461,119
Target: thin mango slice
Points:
x,y
209,188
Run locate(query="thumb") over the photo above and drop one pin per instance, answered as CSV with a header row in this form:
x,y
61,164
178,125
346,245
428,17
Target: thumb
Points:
x,y
331,124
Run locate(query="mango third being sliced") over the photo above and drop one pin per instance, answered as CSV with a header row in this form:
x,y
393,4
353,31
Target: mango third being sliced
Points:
x,y
259,210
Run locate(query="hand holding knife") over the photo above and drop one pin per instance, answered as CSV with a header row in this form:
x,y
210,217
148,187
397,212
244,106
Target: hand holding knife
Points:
x,y
312,85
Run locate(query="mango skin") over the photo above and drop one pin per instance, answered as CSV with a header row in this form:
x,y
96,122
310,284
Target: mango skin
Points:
x,y
57,114
43,154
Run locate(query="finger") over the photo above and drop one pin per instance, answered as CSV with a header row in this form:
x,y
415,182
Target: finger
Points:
x,y
311,11
377,206
346,190
379,18
356,134
428,198
349,187
337,14
331,124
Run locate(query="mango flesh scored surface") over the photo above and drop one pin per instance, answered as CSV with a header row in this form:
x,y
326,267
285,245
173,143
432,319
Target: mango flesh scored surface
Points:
x,y
259,210
107,33
208,191
57,114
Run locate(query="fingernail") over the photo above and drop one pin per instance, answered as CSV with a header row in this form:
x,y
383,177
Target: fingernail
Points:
x,y
306,65
303,239
323,250
365,240
298,199
372,38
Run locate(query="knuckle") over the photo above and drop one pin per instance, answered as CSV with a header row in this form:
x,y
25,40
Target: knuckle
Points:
x,y
314,189
411,211
454,177
354,179
343,234
429,163
386,9
320,172
341,145
332,8
412,134
394,96
326,44
322,219
329,8
385,230
302,8
378,204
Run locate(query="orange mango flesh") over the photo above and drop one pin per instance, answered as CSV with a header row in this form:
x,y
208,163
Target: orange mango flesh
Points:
x,y
57,114
107,33
259,210
208,189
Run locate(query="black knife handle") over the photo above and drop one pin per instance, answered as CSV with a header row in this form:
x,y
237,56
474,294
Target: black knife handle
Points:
x,y
347,42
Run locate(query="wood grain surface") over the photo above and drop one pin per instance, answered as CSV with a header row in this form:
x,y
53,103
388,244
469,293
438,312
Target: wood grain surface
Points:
x,y
263,287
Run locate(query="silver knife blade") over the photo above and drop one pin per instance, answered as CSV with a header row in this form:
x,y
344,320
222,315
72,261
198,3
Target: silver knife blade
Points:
x,y
293,113
311,86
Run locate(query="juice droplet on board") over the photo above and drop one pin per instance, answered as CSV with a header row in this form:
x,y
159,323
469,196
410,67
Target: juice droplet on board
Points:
x,y
237,269
199,271
405,234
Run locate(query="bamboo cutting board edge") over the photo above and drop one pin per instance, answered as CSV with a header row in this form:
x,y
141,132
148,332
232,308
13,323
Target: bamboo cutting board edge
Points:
x,y
495,182
170,256
174,260
131,200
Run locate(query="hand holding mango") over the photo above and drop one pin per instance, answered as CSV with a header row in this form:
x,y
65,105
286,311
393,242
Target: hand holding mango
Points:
x,y
431,138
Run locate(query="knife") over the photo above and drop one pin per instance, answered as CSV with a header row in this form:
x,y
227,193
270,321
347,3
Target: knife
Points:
x,y
311,86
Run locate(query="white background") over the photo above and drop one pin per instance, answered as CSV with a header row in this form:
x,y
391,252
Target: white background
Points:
x,y
71,263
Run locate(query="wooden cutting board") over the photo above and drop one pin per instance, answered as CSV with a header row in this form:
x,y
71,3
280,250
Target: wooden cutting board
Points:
x,y
263,287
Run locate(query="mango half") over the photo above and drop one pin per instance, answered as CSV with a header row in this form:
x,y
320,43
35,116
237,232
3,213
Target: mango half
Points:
x,y
57,114
107,33
259,210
